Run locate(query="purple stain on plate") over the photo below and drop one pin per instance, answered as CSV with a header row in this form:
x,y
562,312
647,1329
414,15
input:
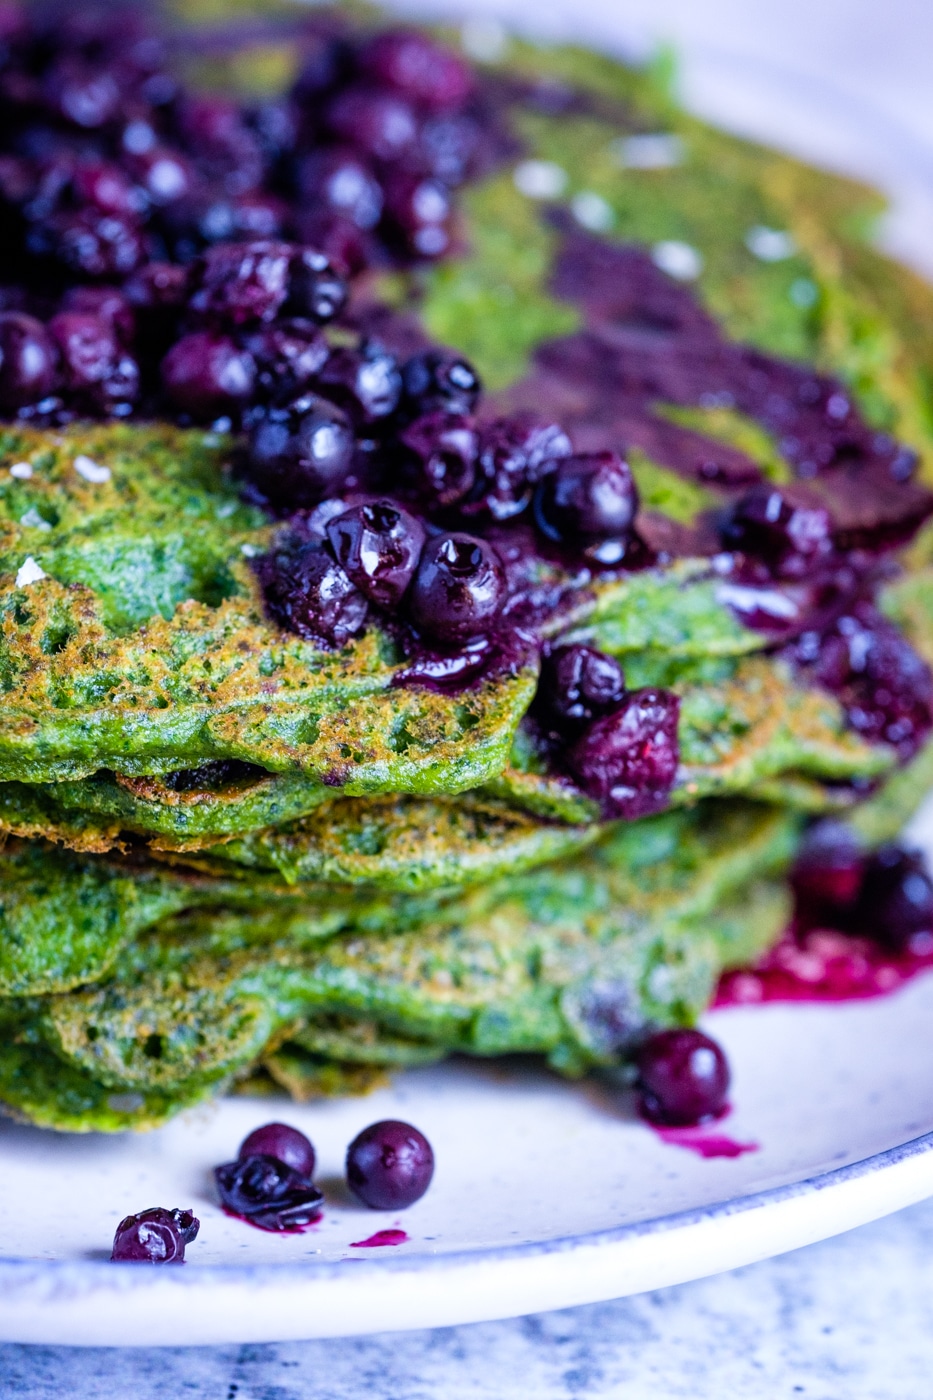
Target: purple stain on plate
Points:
x,y
380,1239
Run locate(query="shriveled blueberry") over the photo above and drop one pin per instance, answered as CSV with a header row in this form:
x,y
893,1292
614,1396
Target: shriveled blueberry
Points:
x,y
284,1143
239,283
91,244
683,1078
316,289
108,303
366,381
440,381
28,359
896,897
440,457
307,592
208,375
302,451
389,1165
458,590
578,684
766,525
627,760
154,1236
429,75
514,455
268,1193
590,497
381,124
344,182
827,875
95,367
288,355
378,545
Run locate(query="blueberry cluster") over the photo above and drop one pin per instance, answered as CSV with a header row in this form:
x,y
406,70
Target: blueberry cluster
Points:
x,y
270,1182
886,895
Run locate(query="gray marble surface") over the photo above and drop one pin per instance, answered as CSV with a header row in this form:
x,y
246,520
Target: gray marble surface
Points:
x,y
848,1319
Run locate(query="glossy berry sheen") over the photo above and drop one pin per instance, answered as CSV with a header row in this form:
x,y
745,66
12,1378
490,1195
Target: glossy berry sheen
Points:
x,y
109,304
284,1143
236,284
268,1193
154,1236
95,368
378,545
514,455
827,875
588,498
380,124
627,760
578,684
366,381
92,244
440,457
430,76
28,358
683,1078
308,593
418,212
440,381
208,375
288,355
785,536
389,1165
301,452
458,590
343,182
316,289
896,897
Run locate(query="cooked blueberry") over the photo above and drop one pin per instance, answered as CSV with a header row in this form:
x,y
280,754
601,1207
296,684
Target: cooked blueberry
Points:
x,y
412,64
27,361
896,897
440,457
238,283
108,303
381,124
284,1143
389,1165
267,1192
159,286
316,290
344,182
208,375
588,498
683,1078
418,213
92,244
154,1236
440,381
578,684
458,590
827,875
300,452
627,760
766,525
514,455
366,381
378,545
307,592
95,367
288,355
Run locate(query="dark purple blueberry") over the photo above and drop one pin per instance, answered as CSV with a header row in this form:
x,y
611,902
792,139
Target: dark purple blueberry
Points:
x,y
683,1078
159,286
347,247
389,1165
154,1236
627,760
440,457
380,124
458,590
96,369
430,76
108,188
27,361
827,875
267,1192
343,182
165,175
896,898
91,244
301,452
316,289
378,546
366,381
418,214
239,283
83,94
514,455
208,375
286,1144
589,498
108,303
578,684
440,381
308,593
767,526
288,355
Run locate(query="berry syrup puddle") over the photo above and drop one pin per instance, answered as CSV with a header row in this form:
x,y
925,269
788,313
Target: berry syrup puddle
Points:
x,y
702,1140
825,966
380,1239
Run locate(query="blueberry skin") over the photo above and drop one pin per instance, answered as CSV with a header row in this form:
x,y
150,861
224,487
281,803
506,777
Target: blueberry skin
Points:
x,y
154,1236
896,897
458,590
683,1078
627,760
283,1142
378,545
590,497
389,1165
268,1193
301,452
307,592
27,361
579,683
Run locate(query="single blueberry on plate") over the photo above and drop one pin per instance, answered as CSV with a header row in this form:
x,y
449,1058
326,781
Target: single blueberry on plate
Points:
x,y
154,1236
683,1078
283,1142
389,1165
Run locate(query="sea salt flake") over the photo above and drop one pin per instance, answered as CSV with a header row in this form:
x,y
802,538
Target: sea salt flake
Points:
x,y
679,260
656,150
90,470
29,572
21,470
540,179
33,520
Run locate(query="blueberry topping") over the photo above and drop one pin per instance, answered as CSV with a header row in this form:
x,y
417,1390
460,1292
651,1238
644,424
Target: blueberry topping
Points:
x,y
627,760
787,537
424,72
268,1193
154,1236
440,457
344,183
96,369
589,498
307,592
108,304
284,1143
418,213
27,361
288,356
440,381
380,124
578,684
683,1078
366,381
514,455
316,289
240,283
300,452
378,546
207,375
827,875
458,590
896,897
389,1165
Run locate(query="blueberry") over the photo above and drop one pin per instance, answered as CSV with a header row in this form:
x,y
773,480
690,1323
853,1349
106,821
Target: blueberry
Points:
x,y
381,124
440,456
429,75
239,283
378,545
827,875
207,375
268,1193
514,455
288,355
896,898
683,1078
627,760
588,498
92,244
27,361
343,182
418,212
307,592
315,290
578,684
301,452
110,304
284,1143
440,381
766,525
366,381
96,369
154,1236
389,1165
458,590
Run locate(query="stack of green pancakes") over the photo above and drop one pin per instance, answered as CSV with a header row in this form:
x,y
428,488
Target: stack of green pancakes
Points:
x,y
235,857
